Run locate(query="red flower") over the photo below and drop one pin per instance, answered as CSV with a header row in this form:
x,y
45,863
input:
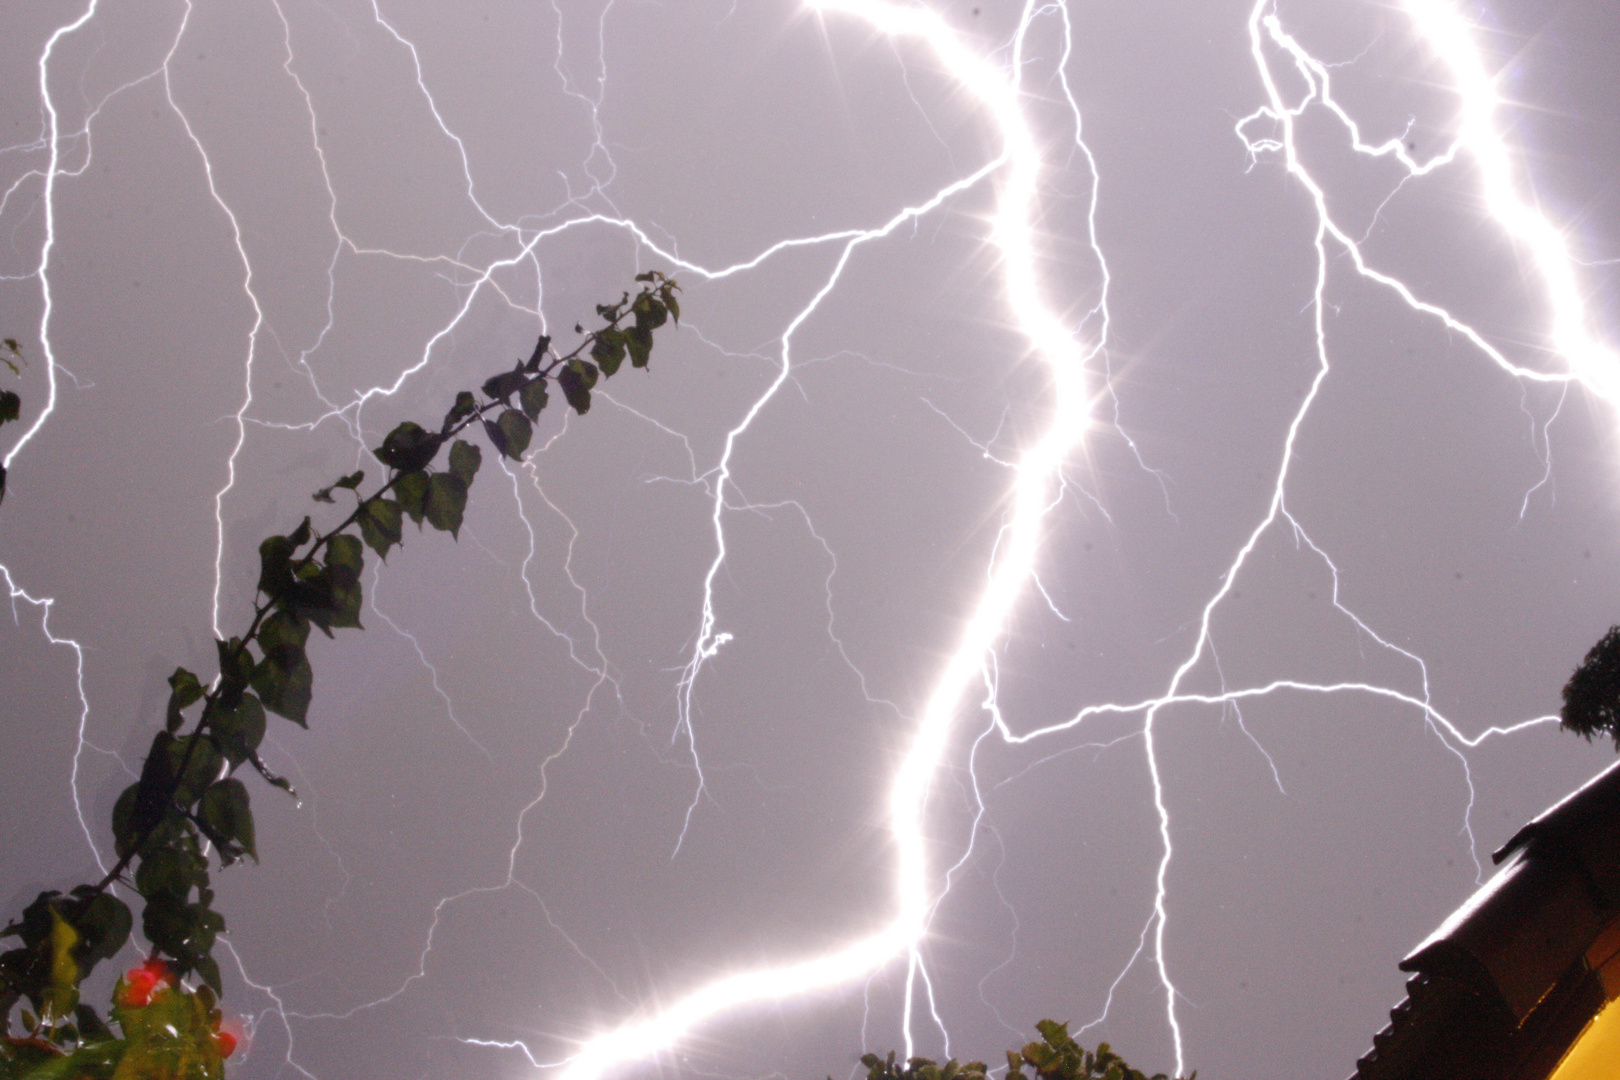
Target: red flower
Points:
x,y
228,1035
142,982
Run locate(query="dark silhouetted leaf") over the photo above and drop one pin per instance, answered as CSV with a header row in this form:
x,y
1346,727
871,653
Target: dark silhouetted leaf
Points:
x,y
227,820
184,691
639,340
576,379
170,872
275,566
410,490
10,406
408,447
345,558
208,969
496,436
237,732
533,399
201,761
464,461
154,792
104,924
608,351
651,313
539,355
503,386
446,502
235,669
464,407
283,679
380,525
515,433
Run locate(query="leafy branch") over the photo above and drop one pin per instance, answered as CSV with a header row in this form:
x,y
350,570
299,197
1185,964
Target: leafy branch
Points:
x,y
187,802
10,404
1056,1057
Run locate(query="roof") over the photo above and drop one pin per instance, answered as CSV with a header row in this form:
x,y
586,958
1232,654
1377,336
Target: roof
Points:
x,y
1509,980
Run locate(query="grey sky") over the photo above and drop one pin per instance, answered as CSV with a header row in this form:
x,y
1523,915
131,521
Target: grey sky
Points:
x,y
511,832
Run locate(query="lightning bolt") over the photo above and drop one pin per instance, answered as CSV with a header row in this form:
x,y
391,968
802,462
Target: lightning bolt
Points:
x,y
1076,401
1036,482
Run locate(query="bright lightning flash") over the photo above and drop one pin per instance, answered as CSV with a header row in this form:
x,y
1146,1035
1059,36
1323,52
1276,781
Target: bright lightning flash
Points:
x,y
1038,473
1068,353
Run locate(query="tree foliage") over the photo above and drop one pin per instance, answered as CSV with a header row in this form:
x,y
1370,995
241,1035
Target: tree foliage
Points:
x,y
10,403
1056,1057
187,807
1592,695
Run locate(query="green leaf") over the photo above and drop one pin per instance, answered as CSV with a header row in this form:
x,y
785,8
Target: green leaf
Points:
x,y
185,932
345,552
345,559
576,379
208,968
651,312
184,691
608,350
227,820
464,461
237,732
668,295
539,355
503,386
235,670
1054,1033
496,436
283,679
410,490
275,566
125,833
464,407
533,398
351,482
202,762
91,1026
639,340
64,993
380,524
154,792
515,433
104,925
446,502
408,447
170,872
10,406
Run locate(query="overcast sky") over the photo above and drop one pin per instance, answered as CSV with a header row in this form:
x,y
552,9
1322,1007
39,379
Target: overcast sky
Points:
x,y
542,796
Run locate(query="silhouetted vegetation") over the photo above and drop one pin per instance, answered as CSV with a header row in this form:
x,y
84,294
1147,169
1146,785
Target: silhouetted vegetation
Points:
x,y
10,403
1592,695
188,808
1056,1057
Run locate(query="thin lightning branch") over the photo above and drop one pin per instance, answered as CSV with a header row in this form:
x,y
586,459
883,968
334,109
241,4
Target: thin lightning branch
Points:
x,y
1018,171
1069,349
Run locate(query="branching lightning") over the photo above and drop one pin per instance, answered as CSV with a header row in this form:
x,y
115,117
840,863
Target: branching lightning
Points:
x,y
1078,383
